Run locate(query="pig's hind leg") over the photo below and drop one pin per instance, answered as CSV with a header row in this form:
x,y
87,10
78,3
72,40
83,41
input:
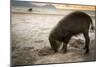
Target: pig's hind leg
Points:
x,y
87,40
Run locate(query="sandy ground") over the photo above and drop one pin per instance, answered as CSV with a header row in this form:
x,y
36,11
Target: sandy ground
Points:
x,y
29,55
30,43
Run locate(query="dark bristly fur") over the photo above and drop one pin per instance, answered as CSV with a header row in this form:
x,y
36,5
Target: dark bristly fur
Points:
x,y
72,24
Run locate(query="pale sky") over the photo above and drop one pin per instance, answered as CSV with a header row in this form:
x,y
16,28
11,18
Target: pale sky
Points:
x,y
84,2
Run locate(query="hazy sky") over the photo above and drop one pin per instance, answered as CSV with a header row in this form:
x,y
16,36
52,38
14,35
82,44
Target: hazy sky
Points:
x,y
87,2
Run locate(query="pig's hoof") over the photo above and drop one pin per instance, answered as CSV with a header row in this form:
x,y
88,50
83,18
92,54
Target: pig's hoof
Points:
x,y
86,52
84,48
55,51
65,51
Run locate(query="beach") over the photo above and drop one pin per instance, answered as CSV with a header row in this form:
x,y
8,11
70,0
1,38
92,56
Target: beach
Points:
x,y
30,44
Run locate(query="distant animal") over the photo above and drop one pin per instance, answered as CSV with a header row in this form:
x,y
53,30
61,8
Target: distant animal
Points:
x,y
30,9
73,24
